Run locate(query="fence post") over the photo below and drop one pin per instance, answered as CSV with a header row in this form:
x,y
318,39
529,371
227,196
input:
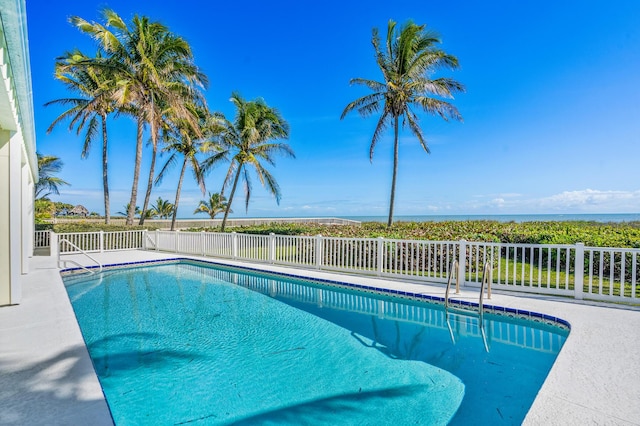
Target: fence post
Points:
x,y
176,241
157,239
54,247
101,241
234,245
462,262
578,272
144,239
202,243
272,247
319,254
380,257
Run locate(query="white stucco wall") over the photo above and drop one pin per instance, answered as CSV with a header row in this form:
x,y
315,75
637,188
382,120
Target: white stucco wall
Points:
x,y
5,248
18,164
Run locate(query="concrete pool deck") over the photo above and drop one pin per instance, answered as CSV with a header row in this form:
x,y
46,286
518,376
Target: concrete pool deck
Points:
x,y
46,375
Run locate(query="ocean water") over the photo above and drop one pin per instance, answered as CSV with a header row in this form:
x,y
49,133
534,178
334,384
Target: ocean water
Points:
x,y
518,218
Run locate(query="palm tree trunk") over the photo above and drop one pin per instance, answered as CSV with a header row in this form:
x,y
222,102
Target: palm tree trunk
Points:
x,y
105,181
149,184
136,173
175,205
233,191
225,181
395,171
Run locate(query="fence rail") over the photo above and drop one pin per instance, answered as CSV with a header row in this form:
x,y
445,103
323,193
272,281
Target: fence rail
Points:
x,y
95,242
597,273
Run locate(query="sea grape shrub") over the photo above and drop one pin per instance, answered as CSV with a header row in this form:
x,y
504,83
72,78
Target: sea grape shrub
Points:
x,y
592,234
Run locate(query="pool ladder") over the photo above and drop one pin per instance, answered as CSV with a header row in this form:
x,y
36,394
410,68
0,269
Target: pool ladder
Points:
x,y
486,280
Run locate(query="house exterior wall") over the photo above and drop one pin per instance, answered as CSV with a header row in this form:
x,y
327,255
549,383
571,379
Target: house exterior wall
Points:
x,y
5,224
18,164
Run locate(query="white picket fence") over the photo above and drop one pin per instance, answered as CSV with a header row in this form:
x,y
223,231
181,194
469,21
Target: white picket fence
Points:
x,y
573,270
41,239
98,242
608,274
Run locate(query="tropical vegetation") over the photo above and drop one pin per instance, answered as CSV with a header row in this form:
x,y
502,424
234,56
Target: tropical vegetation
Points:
x,y
596,234
93,103
43,209
85,226
408,58
162,209
48,183
212,206
184,141
252,140
126,209
143,70
151,77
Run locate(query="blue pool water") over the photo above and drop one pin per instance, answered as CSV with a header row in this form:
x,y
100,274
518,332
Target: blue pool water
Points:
x,y
183,343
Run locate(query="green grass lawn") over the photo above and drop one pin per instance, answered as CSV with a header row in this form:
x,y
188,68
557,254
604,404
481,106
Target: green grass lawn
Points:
x,y
524,274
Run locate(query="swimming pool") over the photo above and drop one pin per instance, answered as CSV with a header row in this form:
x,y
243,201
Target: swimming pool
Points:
x,y
190,343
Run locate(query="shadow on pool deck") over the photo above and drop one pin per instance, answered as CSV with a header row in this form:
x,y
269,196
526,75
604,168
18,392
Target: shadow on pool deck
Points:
x,y
55,385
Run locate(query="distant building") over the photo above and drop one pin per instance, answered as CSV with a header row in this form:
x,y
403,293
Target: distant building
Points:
x,y
18,163
79,210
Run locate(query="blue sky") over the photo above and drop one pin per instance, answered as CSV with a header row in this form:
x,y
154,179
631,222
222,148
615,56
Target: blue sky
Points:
x,y
551,112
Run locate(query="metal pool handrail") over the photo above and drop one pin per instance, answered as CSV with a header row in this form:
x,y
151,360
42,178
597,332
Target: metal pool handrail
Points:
x,y
64,240
453,270
486,279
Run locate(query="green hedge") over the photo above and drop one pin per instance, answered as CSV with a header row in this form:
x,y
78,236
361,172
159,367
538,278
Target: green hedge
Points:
x,y
62,228
595,234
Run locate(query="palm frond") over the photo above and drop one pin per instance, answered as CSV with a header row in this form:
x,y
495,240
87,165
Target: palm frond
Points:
x,y
270,183
412,119
247,187
376,86
92,130
382,125
170,163
365,105
434,106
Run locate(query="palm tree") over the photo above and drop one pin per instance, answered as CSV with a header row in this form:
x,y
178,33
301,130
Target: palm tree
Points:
x,y
48,166
215,204
155,74
94,87
163,208
185,141
407,60
249,139
126,210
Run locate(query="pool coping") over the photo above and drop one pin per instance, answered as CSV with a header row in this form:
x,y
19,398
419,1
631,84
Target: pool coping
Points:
x,y
47,374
